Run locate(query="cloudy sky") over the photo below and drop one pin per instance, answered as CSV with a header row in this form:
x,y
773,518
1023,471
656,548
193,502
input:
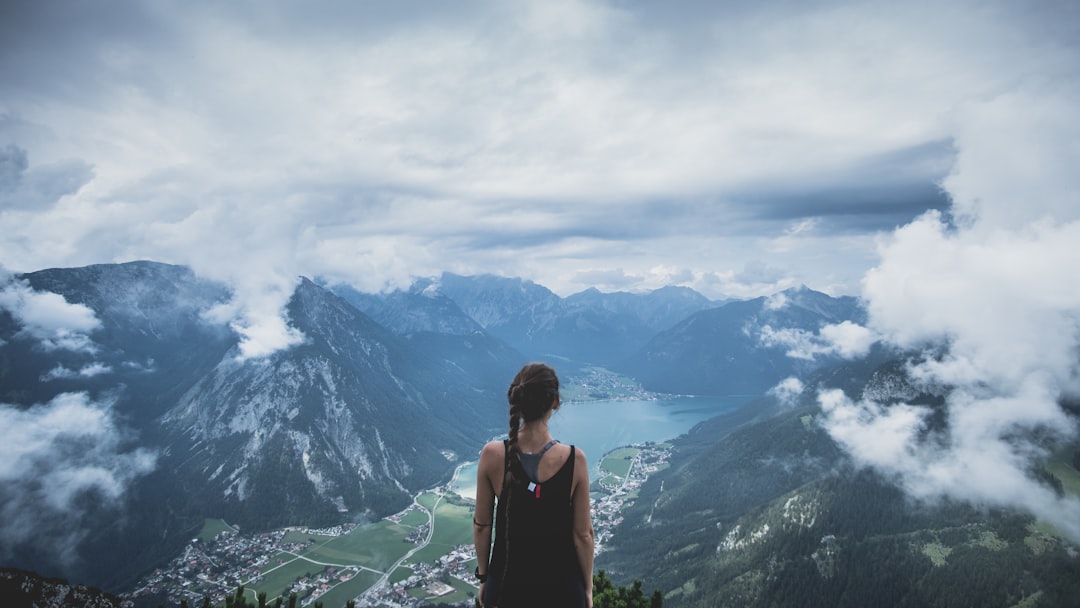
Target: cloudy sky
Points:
x,y
922,155
619,144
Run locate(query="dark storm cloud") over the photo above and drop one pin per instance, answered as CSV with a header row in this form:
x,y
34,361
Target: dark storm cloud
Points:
x,y
65,48
878,193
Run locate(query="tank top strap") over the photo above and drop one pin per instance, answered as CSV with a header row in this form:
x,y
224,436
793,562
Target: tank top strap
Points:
x,y
530,461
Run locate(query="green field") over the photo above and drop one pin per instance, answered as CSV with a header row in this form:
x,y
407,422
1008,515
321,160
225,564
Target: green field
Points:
x,y
453,526
618,462
400,574
414,518
213,527
376,546
339,595
276,581
427,499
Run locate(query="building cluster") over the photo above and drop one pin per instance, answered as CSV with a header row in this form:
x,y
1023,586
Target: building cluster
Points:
x,y
607,508
599,385
431,578
215,568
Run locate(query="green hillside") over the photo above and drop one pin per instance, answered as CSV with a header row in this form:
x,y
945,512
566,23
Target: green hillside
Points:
x,y
772,515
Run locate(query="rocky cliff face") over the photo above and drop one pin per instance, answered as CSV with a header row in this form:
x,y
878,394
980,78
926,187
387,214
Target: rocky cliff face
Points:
x,y
345,425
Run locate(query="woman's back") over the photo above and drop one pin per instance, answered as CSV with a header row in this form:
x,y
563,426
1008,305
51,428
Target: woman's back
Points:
x,y
534,562
542,553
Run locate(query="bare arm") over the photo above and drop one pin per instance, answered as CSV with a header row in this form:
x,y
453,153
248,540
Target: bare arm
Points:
x,y
491,459
583,528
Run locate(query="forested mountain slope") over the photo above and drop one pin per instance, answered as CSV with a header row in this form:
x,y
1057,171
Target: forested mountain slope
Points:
x,y
773,514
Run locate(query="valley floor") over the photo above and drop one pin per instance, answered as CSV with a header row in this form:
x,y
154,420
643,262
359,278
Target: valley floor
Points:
x,y
423,552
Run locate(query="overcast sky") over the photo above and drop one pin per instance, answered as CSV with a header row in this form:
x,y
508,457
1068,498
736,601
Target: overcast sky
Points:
x,y
732,147
921,155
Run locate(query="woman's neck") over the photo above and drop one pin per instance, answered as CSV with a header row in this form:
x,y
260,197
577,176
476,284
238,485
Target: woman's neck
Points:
x,y
534,435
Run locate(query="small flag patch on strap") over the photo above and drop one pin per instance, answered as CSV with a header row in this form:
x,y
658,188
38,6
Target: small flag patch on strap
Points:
x,y
534,488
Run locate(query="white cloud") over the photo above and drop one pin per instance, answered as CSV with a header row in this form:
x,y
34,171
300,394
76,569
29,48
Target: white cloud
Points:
x,y
993,298
788,390
257,314
979,459
48,317
372,145
87,371
53,454
604,113
846,340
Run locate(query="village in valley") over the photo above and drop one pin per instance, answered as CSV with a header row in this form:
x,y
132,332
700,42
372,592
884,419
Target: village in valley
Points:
x,y
420,556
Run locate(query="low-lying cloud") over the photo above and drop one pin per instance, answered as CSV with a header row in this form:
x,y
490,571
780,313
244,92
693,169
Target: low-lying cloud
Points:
x,y
846,340
47,317
990,297
60,462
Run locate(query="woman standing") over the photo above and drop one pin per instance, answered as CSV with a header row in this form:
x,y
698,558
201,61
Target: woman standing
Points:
x,y
543,550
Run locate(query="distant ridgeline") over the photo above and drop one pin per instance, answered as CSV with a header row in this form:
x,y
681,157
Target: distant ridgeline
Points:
x,y
772,515
383,397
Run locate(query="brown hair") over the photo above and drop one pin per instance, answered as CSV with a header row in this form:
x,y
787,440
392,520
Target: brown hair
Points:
x,y
531,394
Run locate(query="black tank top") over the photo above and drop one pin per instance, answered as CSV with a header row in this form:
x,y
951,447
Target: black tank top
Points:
x,y
533,560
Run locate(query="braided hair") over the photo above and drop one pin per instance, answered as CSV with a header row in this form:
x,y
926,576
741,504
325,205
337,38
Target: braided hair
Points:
x,y
531,394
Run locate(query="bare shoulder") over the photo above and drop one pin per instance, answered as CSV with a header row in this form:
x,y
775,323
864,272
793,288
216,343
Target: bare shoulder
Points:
x,y
581,470
579,457
493,451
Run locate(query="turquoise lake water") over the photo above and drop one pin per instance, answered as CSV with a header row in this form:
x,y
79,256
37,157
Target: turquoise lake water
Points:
x,y
601,426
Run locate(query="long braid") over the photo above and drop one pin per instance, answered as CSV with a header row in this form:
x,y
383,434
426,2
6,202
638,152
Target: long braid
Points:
x,y
512,451
526,403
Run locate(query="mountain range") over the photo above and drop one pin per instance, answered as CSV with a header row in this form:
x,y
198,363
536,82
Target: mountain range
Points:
x,y
384,396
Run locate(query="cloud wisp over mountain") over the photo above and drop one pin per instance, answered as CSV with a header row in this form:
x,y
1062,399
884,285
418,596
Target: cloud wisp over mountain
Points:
x,y
990,295
737,150
63,462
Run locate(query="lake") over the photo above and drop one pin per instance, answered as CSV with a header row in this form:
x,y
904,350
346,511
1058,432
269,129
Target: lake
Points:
x,y
601,426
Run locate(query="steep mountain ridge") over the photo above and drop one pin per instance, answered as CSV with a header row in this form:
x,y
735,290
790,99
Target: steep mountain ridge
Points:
x,y
146,311
345,426
380,399
349,404
727,350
